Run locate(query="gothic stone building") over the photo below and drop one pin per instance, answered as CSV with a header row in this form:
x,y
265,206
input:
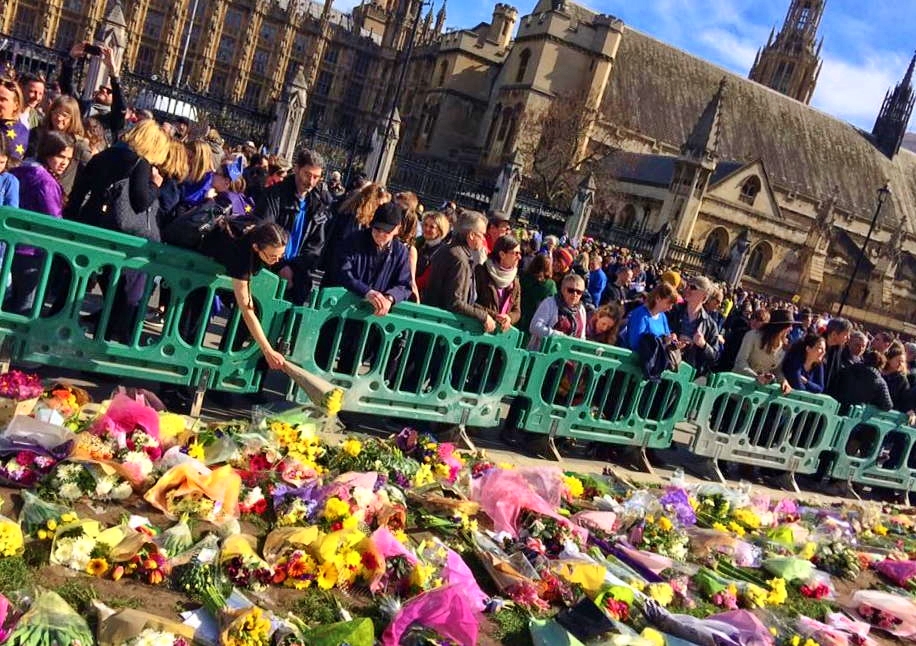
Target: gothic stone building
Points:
x,y
722,159
247,51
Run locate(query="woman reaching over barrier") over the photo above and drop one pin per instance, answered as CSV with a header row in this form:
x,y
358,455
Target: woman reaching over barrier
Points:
x,y
243,257
804,364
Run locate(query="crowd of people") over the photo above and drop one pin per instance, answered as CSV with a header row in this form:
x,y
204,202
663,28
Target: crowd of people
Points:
x,y
99,162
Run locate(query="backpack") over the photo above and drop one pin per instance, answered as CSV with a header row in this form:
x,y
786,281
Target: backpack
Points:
x,y
189,228
656,356
119,215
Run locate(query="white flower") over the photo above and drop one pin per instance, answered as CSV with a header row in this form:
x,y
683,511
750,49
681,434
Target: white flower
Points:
x,y
122,491
69,472
74,552
104,485
141,460
150,637
141,439
253,497
70,491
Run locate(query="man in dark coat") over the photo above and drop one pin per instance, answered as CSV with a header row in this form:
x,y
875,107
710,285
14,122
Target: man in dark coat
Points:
x,y
698,334
836,335
374,263
451,284
300,204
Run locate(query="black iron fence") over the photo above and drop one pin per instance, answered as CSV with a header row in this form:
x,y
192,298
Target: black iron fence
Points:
x,y
343,150
29,58
437,182
694,258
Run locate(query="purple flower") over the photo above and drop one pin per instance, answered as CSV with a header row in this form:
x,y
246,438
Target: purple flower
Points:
x,y
407,440
676,500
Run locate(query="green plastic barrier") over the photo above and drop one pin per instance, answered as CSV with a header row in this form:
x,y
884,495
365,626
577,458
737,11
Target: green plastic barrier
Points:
x,y
417,362
877,449
68,326
597,393
740,421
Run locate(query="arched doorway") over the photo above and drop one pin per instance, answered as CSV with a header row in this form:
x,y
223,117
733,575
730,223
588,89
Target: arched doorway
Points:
x,y
760,258
717,242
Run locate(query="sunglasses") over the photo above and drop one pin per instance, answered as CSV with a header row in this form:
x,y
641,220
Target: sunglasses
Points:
x,y
575,292
9,85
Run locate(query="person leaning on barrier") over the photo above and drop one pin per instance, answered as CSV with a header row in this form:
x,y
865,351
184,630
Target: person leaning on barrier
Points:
x,y
862,384
803,365
436,233
697,334
300,204
762,351
451,284
374,262
562,314
498,289
895,375
836,335
650,318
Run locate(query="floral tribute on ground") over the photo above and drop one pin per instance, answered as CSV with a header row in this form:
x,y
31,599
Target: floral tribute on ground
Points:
x,y
273,533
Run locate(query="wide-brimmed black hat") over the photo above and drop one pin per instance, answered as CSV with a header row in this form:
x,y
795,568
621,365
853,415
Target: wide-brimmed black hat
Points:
x,y
782,318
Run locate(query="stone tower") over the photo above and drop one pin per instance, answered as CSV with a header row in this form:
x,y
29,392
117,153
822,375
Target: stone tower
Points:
x,y
791,61
697,162
891,125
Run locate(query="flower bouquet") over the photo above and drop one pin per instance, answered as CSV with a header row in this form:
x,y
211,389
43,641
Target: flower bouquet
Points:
x,y
11,539
19,392
322,393
51,620
38,515
131,627
242,565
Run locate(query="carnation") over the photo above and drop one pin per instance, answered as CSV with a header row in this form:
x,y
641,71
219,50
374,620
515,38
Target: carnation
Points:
x,y
122,491
141,460
70,491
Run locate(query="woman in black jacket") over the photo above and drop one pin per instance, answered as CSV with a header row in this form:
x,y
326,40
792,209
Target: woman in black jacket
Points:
x,y
862,383
119,190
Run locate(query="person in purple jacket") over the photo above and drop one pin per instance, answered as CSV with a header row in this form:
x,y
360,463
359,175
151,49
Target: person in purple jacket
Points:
x,y
229,184
39,191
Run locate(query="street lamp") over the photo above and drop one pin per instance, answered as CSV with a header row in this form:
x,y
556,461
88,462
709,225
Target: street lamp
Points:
x,y
883,193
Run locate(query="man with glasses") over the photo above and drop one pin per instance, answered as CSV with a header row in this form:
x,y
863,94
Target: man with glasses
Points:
x,y
697,333
451,285
107,105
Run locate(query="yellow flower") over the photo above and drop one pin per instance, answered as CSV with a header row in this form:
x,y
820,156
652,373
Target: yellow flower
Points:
x,y
421,575
97,567
574,486
663,593
69,517
335,508
747,518
52,524
735,527
424,476
796,640
719,527
42,534
773,631
350,522
333,402
665,524
443,471
196,450
352,447
879,529
808,551
400,536
810,642
778,594
327,576
755,596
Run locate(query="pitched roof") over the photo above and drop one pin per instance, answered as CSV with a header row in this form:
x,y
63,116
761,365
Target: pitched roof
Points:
x,y
656,170
662,91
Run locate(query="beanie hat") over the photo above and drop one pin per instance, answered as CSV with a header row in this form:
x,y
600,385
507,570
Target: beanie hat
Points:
x,y
562,259
672,278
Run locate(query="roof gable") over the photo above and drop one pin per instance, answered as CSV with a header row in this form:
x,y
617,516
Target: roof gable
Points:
x,y
728,187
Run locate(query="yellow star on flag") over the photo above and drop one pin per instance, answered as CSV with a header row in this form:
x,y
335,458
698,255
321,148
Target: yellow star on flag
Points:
x,y
247,208
11,133
20,149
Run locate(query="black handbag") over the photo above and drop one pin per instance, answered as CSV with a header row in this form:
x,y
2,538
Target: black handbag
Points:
x,y
119,215
189,228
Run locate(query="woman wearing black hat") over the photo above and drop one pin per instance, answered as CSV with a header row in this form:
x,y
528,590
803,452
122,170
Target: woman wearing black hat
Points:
x,y
762,351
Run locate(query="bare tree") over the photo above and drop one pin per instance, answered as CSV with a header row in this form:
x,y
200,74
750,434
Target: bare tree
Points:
x,y
560,144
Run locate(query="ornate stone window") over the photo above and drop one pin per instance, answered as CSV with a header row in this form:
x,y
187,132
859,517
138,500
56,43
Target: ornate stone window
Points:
x,y
750,189
523,60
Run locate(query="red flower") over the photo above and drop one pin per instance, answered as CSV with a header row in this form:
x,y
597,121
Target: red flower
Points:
x,y
25,458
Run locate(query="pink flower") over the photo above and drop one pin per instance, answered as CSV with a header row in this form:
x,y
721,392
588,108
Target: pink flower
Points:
x,y
25,458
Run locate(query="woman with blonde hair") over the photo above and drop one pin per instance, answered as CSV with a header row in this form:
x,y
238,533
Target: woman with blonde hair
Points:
x,y
119,190
436,232
198,185
15,133
95,135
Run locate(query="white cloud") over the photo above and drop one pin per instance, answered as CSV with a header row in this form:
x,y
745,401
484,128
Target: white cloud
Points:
x,y
854,90
732,51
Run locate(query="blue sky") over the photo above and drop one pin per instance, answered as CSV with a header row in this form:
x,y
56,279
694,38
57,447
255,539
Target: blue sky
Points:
x,y
867,43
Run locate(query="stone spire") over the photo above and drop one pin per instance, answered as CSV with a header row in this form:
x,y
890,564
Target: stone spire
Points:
x,y
703,143
790,62
892,122
440,19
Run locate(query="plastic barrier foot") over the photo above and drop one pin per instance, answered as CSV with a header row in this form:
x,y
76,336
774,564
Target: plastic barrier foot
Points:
x,y
465,438
198,403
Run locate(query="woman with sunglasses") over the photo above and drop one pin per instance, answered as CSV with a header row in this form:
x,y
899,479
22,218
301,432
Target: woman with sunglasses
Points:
x,y
562,314
15,133
498,289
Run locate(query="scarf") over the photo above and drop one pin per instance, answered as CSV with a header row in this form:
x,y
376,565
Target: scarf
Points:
x,y
569,321
501,277
433,242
